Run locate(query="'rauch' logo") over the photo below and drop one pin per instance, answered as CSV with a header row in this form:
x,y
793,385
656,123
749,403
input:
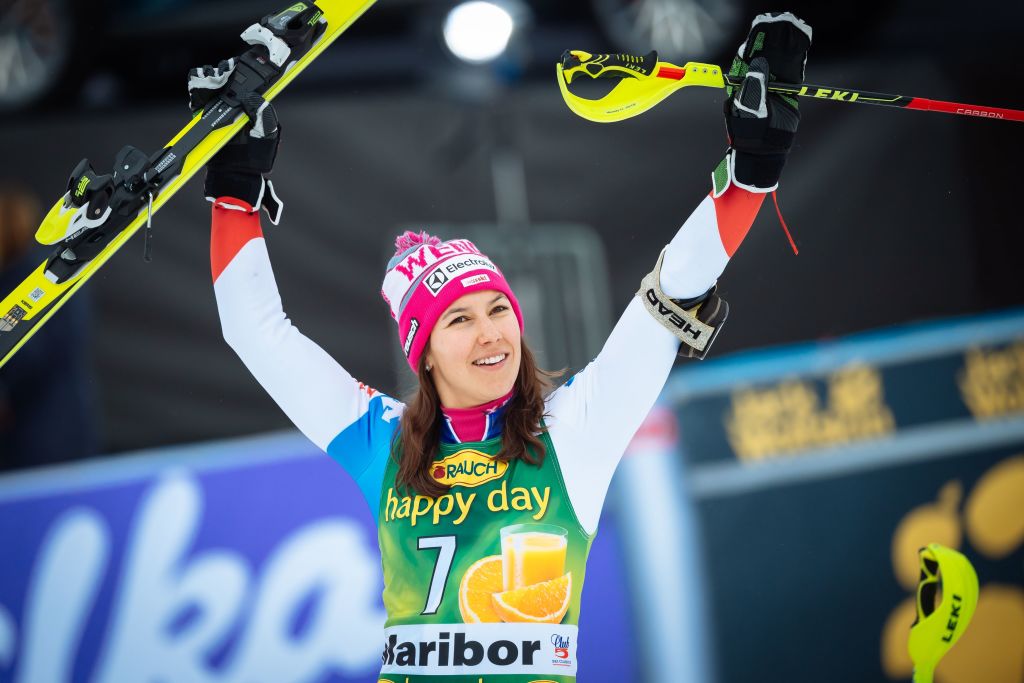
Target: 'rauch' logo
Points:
x,y
468,468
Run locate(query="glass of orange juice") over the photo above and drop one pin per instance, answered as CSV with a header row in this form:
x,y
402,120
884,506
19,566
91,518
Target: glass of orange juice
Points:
x,y
532,553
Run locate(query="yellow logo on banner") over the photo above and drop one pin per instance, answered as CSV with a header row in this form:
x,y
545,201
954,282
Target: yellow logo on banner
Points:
x,y
992,381
468,468
790,417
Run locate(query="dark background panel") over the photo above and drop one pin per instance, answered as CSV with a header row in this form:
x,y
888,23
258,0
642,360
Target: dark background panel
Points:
x,y
899,215
801,576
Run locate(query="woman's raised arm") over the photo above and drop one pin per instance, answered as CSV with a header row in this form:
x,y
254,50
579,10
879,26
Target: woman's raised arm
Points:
x,y
595,414
350,421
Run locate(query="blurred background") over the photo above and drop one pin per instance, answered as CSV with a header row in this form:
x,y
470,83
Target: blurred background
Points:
x,y
161,520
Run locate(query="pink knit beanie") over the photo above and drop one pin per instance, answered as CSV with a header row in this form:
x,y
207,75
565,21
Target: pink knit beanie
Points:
x,y
425,276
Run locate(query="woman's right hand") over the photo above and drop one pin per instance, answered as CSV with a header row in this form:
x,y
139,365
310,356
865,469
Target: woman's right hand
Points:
x,y
239,169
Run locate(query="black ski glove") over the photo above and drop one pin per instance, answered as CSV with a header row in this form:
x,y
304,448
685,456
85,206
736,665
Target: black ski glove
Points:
x,y
762,125
240,168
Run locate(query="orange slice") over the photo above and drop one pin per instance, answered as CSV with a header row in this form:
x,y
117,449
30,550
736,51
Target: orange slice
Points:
x,y
479,583
541,603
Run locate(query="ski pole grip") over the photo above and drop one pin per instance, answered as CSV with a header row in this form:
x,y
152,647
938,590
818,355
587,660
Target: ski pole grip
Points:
x,y
619,65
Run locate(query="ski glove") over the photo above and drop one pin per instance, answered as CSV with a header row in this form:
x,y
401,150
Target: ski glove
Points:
x,y
762,125
240,168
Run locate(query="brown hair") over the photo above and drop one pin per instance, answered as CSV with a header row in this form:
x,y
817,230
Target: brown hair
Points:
x,y
419,438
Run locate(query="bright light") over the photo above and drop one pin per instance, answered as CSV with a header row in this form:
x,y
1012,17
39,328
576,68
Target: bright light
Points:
x,y
478,31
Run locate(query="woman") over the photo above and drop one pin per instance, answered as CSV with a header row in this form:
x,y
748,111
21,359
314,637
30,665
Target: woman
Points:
x,y
487,491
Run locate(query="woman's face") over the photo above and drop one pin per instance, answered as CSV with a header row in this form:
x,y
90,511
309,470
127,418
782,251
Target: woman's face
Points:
x,y
475,349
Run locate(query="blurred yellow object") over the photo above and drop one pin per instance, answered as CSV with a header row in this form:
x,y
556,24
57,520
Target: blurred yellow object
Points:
x,y
644,82
994,515
947,595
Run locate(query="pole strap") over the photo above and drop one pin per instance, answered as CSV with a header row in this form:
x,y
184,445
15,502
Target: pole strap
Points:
x,y
695,322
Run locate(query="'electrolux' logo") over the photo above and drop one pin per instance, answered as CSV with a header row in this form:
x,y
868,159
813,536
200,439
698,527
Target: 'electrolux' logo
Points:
x,y
436,280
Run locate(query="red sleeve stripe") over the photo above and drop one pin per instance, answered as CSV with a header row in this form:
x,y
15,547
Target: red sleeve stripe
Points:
x,y
231,231
735,211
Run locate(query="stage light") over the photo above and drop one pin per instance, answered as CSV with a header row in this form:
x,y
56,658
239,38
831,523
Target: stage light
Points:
x,y
478,31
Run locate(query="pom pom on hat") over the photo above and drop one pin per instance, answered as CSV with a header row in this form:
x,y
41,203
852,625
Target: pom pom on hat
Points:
x,y
409,239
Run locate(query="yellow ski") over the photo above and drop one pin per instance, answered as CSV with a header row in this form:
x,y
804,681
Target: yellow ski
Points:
x,y
99,213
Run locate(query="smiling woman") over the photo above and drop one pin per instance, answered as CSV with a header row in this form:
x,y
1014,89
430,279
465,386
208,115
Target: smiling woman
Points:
x,y
486,486
474,351
462,331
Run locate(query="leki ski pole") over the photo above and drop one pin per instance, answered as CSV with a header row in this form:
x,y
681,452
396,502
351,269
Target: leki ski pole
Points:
x,y
644,82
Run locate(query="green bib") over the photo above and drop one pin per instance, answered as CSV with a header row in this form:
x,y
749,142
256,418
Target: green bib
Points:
x,y
484,582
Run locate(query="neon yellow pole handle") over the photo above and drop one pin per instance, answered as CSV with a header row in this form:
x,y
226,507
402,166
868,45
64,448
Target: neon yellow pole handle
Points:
x,y
947,596
923,675
644,82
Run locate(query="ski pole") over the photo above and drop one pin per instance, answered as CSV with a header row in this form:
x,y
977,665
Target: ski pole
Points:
x,y
644,82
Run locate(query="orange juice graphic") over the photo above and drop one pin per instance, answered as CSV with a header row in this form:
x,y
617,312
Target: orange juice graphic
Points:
x,y
531,554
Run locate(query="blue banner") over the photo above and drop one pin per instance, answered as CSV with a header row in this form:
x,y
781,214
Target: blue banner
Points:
x,y
253,560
